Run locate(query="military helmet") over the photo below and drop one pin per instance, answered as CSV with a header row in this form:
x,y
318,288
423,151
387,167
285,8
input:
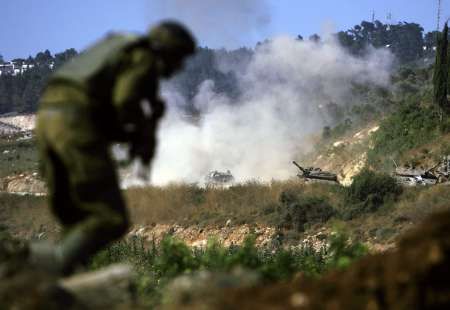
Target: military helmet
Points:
x,y
172,39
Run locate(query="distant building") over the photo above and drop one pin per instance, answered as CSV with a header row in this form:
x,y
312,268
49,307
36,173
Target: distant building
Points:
x,y
7,69
15,68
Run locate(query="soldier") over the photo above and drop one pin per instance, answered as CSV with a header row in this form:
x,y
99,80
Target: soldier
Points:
x,y
108,93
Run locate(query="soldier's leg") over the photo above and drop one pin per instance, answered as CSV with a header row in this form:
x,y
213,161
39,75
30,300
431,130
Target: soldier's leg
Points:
x,y
42,253
56,175
99,197
95,192
85,172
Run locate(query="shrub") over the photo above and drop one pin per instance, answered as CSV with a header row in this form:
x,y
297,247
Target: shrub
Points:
x,y
157,264
196,194
342,252
410,126
174,258
303,209
369,191
326,132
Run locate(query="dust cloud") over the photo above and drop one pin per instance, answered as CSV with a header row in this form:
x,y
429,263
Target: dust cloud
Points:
x,y
282,92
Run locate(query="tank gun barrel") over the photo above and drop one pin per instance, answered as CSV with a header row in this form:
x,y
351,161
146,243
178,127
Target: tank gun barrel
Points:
x,y
298,166
434,167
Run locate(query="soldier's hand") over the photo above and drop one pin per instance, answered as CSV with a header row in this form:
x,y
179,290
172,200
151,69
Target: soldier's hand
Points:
x,y
158,107
145,150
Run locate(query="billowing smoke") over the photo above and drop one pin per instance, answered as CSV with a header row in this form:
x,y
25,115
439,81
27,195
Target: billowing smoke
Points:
x,y
282,90
218,23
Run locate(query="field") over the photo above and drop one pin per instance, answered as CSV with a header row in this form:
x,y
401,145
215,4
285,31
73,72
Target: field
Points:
x,y
186,241
291,244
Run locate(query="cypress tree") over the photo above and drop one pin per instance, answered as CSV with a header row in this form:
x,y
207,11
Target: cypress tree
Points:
x,y
440,77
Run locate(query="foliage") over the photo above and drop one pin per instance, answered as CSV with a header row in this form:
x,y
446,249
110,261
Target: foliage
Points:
x,y
404,40
339,130
440,78
301,209
20,93
342,252
156,265
17,155
409,126
174,258
217,68
369,191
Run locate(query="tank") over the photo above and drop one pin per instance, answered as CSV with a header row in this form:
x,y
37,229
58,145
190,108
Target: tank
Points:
x,y
217,178
312,173
411,176
442,171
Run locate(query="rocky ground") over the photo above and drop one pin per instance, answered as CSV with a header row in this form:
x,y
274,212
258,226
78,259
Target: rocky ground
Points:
x,y
412,276
13,123
345,157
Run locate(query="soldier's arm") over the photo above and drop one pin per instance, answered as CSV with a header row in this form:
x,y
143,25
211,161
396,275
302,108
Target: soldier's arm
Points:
x,y
135,83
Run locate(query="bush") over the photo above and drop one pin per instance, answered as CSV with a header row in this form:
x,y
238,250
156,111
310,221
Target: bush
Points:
x,y
342,252
369,191
157,264
410,126
302,209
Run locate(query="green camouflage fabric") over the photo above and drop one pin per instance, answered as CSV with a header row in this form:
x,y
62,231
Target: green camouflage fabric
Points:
x,y
90,102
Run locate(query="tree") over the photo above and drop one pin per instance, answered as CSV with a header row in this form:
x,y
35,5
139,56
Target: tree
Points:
x,y
315,38
44,58
406,41
1,59
430,39
65,56
440,77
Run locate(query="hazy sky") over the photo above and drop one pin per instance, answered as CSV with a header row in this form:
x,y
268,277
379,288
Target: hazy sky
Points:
x,y
30,26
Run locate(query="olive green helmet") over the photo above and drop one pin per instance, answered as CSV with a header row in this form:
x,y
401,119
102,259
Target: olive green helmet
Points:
x,y
171,39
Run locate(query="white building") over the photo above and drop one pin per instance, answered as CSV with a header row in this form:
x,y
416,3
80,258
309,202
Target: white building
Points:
x,y
14,68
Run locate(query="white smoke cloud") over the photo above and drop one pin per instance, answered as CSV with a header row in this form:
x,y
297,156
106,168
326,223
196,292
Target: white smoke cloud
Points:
x,y
257,137
218,23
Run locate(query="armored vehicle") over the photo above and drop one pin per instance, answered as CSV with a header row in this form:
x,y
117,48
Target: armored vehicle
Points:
x,y
411,176
442,171
217,178
312,173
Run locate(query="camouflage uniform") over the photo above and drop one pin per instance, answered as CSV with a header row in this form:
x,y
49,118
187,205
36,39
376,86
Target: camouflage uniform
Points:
x,y
90,102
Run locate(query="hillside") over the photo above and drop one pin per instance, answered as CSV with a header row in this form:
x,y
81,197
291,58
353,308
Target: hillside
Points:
x,y
271,236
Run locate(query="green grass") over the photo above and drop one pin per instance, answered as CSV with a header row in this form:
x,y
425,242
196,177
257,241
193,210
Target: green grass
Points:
x,y
17,156
157,265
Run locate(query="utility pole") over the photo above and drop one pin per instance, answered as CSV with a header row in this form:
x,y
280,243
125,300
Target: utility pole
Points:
x,y
373,16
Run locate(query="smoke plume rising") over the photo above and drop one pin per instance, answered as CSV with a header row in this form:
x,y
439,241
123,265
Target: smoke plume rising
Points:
x,y
282,90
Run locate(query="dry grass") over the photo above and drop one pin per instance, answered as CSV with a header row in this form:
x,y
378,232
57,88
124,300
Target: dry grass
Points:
x,y
190,205
27,217
429,154
250,203
418,203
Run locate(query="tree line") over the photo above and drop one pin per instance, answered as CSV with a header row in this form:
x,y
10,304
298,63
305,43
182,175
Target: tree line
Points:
x,y
21,92
407,41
